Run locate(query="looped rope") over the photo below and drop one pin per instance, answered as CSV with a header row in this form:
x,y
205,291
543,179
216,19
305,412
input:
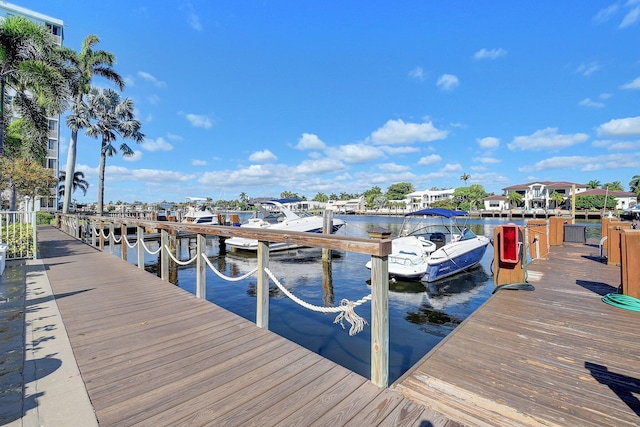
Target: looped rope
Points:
x,y
127,242
176,260
346,309
227,278
144,246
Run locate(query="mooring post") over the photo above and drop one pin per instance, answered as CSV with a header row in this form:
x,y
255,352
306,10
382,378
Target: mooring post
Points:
x,y
164,255
140,234
380,320
101,240
123,241
93,233
201,278
262,288
327,228
112,234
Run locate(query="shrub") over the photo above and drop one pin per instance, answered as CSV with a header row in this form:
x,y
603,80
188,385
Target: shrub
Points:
x,y
43,217
19,240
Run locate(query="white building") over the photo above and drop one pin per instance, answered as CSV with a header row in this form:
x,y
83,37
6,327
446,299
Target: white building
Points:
x,y
495,203
350,206
537,195
52,160
424,199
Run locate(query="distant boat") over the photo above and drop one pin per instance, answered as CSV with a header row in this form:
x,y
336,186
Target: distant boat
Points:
x,y
275,215
633,213
430,252
198,214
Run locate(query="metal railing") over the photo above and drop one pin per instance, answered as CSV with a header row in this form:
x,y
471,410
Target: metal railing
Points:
x,y
18,231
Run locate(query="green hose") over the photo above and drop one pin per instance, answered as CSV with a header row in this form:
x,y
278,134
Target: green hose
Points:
x,y
622,301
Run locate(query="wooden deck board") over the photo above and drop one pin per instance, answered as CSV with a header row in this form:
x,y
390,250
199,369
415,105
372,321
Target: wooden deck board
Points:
x,y
555,356
152,354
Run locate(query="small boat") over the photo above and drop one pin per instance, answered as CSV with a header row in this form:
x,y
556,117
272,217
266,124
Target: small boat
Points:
x,y
198,214
275,215
430,252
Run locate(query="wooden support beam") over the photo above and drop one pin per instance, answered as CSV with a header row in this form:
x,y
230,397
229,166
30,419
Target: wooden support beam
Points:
x,y
201,267
380,321
262,288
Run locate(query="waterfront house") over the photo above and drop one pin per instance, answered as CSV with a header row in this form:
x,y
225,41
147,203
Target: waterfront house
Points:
x,y
496,203
423,199
624,199
537,195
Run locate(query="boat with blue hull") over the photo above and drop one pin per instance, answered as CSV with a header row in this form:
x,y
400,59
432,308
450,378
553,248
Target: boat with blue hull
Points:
x,y
434,245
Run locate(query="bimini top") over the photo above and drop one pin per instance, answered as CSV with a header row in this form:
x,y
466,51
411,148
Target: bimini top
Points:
x,y
446,213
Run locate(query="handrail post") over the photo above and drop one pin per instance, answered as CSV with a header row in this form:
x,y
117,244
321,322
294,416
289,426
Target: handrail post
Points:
x,y
140,234
123,241
164,255
201,275
262,288
93,233
380,321
76,220
101,240
112,234
34,234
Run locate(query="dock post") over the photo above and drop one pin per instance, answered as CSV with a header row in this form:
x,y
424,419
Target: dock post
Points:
x,y
262,287
112,234
327,227
164,255
201,274
101,240
380,321
140,234
93,233
123,241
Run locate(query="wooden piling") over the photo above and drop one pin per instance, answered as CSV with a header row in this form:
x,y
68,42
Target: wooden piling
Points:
x,y
630,244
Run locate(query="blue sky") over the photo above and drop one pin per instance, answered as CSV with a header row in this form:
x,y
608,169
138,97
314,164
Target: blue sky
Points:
x,y
332,96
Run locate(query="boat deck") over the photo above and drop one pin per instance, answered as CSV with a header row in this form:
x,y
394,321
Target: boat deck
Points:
x,y
151,354
555,356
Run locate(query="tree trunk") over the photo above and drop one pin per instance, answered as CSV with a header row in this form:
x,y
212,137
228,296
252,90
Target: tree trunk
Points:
x,y
103,162
71,166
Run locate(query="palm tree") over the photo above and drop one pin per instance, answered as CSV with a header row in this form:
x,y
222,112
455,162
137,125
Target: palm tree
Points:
x,y
557,198
594,183
613,186
31,65
113,119
634,184
465,177
78,182
514,198
85,64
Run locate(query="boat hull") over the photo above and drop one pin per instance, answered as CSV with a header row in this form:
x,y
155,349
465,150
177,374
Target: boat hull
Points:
x,y
446,266
251,245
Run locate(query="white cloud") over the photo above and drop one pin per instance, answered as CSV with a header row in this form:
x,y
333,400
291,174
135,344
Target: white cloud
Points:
x,y
388,149
635,84
174,137
586,163
546,139
194,22
448,82
198,120
488,142
620,127
489,54
487,160
605,14
129,81
262,156
588,102
630,18
399,132
588,69
455,167
158,144
430,159
136,156
120,173
150,78
355,153
309,141
417,73
197,162
320,166
393,167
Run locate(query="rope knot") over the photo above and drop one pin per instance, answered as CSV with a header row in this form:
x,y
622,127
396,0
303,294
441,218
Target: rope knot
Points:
x,y
347,312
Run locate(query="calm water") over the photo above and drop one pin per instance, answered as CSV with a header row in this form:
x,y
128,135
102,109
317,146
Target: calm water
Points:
x,y
419,316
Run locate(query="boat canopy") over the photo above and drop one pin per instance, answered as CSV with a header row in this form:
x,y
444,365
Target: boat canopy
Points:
x,y
446,213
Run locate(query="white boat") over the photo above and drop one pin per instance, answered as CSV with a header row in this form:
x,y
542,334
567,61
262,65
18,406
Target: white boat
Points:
x,y
429,251
198,214
275,215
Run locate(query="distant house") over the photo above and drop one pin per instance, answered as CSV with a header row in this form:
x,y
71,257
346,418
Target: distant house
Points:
x,y
624,199
347,206
496,203
537,195
424,199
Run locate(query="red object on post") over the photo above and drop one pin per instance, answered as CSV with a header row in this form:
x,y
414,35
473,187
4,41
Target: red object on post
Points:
x,y
510,244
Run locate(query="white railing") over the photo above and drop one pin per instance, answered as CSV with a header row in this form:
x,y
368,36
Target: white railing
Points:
x,y
18,231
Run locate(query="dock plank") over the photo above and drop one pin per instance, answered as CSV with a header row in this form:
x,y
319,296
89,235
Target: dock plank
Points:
x,y
151,354
557,355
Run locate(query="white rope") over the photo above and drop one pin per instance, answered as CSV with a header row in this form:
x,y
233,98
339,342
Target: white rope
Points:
x,y
227,278
176,260
146,248
346,309
106,236
117,239
127,242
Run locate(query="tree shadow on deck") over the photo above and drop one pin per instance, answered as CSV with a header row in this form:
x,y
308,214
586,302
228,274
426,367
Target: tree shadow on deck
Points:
x,y
623,386
599,288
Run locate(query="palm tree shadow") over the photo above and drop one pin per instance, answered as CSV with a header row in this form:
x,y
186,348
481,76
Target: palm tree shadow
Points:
x,y
623,386
599,288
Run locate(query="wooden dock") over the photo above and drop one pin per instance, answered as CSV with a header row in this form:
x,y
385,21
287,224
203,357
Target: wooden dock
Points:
x,y
555,356
153,354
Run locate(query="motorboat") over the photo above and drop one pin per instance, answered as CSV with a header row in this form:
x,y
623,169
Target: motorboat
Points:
x,y
198,214
276,215
431,251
